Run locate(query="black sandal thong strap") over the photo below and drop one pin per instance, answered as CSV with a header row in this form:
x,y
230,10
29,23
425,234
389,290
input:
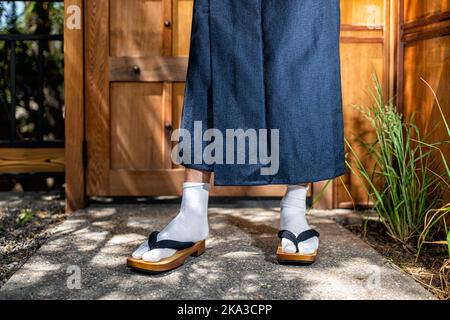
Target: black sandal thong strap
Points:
x,y
286,234
308,234
166,244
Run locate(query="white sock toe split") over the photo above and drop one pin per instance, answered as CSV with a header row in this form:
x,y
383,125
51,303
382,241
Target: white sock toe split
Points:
x,y
143,248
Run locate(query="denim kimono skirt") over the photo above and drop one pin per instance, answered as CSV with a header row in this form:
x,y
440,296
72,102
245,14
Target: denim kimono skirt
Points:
x,y
266,65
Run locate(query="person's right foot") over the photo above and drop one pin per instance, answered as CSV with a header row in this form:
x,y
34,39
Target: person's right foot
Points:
x,y
190,225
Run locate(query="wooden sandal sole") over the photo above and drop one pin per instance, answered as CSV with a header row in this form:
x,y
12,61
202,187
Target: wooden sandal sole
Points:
x,y
169,263
295,258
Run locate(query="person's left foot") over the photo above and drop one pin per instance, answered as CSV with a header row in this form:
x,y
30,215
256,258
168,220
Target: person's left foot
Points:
x,y
293,218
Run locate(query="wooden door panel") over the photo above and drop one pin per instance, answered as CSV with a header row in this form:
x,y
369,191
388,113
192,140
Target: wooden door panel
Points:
x,y
363,52
136,28
414,9
137,127
148,69
146,183
182,13
362,12
425,54
356,77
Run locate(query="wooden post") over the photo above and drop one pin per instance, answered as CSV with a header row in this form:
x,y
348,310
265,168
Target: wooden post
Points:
x,y
74,103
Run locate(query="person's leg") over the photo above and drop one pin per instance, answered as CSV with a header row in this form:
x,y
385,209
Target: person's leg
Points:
x,y
197,176
293,218
191,223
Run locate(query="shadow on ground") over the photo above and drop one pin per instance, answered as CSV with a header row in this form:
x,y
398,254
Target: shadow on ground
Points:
x,y
239,262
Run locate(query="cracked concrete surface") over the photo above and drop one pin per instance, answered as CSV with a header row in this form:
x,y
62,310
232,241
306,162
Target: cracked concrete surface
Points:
x,y
239,262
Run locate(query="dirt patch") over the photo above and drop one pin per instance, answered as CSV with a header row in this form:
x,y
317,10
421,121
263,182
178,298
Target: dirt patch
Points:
x,y
25,222
431,269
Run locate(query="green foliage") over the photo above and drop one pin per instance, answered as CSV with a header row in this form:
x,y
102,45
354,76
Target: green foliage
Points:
x,y
31,17
404,183
25,216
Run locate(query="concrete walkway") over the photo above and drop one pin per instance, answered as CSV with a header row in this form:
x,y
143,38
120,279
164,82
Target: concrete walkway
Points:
x,y
239,263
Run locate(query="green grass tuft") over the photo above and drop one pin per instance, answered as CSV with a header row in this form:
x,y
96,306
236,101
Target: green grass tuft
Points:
x,y
405,183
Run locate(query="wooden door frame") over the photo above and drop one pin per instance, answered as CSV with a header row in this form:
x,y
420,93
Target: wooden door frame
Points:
x,y
74,110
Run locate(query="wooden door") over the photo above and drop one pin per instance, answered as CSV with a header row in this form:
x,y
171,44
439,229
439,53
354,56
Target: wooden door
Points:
x,y
365,49
129,75
136,54
424,53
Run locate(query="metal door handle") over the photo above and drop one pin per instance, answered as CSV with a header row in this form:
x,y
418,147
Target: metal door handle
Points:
x,y
168,126
136,69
